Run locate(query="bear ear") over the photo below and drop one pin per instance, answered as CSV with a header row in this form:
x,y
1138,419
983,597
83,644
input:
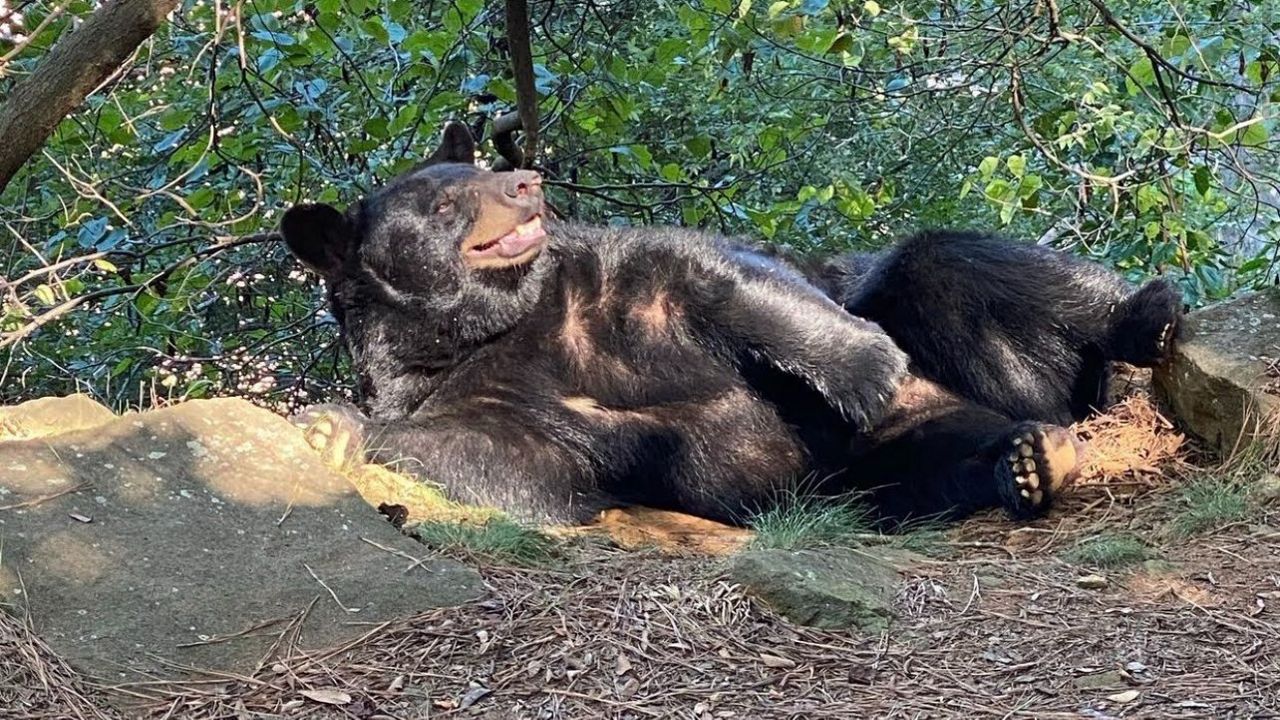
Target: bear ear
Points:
x,y
319,235
456,146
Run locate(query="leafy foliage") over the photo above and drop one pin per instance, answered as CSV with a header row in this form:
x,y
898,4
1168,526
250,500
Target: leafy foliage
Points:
x,y
1137,132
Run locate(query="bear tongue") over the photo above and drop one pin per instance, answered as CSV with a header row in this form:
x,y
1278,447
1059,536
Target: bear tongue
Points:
x,y
518,241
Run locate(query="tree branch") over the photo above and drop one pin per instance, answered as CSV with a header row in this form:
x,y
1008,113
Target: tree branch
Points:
x,y
522,69
1158,60
504,129
77,64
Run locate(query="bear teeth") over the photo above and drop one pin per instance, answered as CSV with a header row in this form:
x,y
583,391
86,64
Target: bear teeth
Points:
x,y
526,229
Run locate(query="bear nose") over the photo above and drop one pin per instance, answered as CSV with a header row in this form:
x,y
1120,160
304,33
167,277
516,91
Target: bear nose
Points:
x,y
523,183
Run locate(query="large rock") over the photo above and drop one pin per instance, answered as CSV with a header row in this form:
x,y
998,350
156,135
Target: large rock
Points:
x,y
52,415
832,588
1224,380
193,537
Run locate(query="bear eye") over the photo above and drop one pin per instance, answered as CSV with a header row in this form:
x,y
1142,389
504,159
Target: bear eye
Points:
x,y
444,207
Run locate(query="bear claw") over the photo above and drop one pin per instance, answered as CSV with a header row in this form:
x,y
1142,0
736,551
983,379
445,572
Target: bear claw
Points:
x,y
335,431
1044,460
1162,342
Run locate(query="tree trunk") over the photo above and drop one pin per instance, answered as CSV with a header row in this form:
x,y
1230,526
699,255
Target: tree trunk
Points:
x,y
77,64
522,69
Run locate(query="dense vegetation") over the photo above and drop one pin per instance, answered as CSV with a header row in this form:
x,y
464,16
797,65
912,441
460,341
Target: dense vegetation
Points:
x,y
136,244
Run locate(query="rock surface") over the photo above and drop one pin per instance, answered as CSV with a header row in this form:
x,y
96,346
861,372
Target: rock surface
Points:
x,y
833,588
52,415
200,535
1223,382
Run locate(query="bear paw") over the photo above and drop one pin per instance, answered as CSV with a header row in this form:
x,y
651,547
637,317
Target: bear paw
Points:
x,y
335,431
1040,461
1145,326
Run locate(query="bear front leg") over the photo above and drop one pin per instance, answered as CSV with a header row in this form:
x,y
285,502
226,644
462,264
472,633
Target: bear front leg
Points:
x,y
499,466
850,361
1144,326
335,430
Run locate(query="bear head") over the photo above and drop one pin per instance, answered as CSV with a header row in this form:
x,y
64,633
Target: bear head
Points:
x,y
442,257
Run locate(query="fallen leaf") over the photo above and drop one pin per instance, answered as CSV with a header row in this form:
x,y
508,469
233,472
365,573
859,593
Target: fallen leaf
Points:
x,y
330,696
774,661
472,696
1091,582
628,688
80,518
1124,697
624,665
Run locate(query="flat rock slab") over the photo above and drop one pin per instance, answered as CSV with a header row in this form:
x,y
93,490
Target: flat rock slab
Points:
x,y
52,415
199,536
1224,377
832,588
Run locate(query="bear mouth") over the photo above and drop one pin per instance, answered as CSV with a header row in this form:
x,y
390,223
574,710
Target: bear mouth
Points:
x,y
516,247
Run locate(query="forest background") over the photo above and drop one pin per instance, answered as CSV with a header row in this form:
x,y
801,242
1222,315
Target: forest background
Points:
x,y
148,148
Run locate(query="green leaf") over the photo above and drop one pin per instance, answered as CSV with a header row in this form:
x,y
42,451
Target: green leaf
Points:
x,y
1203,180
1254,135
377,127
200,198
670,172
470,9
818,41
698,146
842,44
1016,164
375,29
871,7
1029,187
777,8
1141,74
988,166
669,50
642,155
106,265
45,295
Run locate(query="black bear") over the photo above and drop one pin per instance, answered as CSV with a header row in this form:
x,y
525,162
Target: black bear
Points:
x,y
1025,330
554,369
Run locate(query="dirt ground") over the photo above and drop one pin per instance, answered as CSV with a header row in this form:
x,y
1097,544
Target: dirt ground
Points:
x,y
994,623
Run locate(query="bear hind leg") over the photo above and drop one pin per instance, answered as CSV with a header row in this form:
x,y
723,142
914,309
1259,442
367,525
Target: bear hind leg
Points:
x,y
1039,460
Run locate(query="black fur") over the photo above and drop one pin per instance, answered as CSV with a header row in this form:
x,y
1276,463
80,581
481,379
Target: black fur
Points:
x,y
1025,330
626,366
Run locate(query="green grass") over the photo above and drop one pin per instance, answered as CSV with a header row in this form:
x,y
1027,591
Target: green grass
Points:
x,y
1216,498
1208,503
1220,497
799,522
1108,550
499,539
